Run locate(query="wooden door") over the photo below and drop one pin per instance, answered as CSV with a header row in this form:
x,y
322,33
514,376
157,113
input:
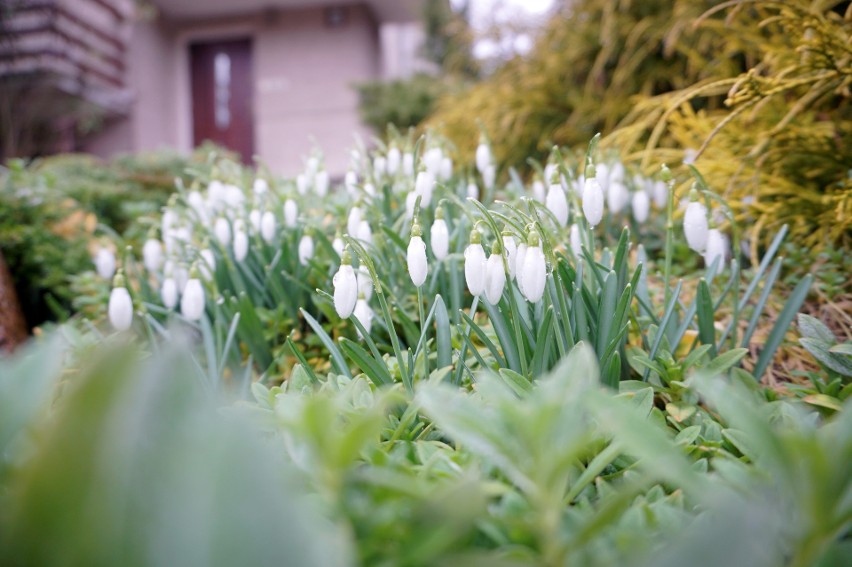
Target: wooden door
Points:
x,y
221,79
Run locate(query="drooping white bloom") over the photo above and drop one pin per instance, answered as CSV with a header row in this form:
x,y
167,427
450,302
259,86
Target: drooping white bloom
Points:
x,y
241,244
192,301
495,277
208,263
641,206
394,157
306,249
695,225
234,197
196,202
408,164
267,226
423,186
578,185
353,221
576,241
617,196
168,221
446,168
483,157
489,176
350,182
345,287
474,264
538,191
661,193
337,244
105,263
365,233
302,183
602,175
717,248
260,187
321,183
418,265
181,275
432,160
410,200
380,166
593,201
440,238
472,191
291,213
534,272
557,203
120,308
216,194
254,220
550,173
222,230
152,255
520,258
169,293
365,282
364,314
617,172
370,189
511,248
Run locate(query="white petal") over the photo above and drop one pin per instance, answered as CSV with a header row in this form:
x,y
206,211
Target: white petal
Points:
x,y
593,201
641,206
534,274
306,249
364,315
557,203
474,268
495,279
241,244
440,239
169,293
267,226
417,263
345,291
120,309
695,225
192,301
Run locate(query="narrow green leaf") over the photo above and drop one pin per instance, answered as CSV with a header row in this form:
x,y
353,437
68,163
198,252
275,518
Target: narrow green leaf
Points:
x,y
706,329
336,356
782,324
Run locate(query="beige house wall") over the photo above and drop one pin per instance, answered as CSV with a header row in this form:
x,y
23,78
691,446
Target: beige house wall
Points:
x,y
304,72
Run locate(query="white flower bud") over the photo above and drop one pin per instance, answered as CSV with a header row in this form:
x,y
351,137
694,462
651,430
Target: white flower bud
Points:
x,y
534,273
364,314
267,226
593,201
538,191
423,187
196,202
370,189
417,264
520,257
168,221
306,249
473,191
549,174
483,157
192,301
234,197
337,244
695,226
576,241
312,165
120,309
152,255
260,187
394,157
302,183
511,249
105,263
254,220
345,288
557,203
222,230
474,265
410,200
661,193
365,233
365,282
169,293
208,263
408,165
616,174
216,194
321,183
291,213
641,206
446,168
241,244
495,278
489,176
353,221
617,196
717,248
440,239
432,160
350,182
380,165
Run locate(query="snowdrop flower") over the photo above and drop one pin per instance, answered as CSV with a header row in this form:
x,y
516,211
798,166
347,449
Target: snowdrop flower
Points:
x,y
291,213
578,185
369,189
576,241
432,160
602,175
254,219
593,201
534,273
321,183
417,263
408,164
168,221
617,196
192,301
345,287
337,244
350,182
410,201
472,191
557,203
181,275
440,235
306,248
489,176
105,263
689,156
312,165
446,168
365,234
717,249
196,202
520,258
169,292
365,282
695,225
302,183
660,194
241,243
380,165
511,248
152,254
234,197
208,264
538,192
216,194
495,275
423,186
549,174
267,226
364,314
260,187
483,155
394,157
616,173
474,264
222,230
120,308
641,206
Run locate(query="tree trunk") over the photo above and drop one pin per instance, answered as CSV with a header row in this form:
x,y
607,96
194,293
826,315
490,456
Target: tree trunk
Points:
x,y
13,328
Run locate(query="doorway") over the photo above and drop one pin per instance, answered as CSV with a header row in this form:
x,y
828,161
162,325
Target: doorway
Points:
x,y
221,83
